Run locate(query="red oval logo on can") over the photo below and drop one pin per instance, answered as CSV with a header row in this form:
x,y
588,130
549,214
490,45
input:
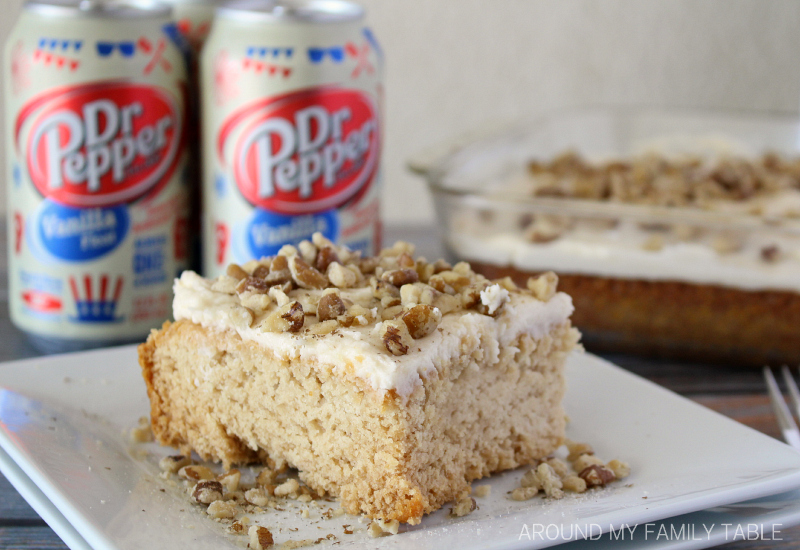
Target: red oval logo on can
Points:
x,y
41,301
304,152
101,144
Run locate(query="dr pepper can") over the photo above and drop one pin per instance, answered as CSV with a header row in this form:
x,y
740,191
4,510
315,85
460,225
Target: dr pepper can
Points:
x,y
96,149
291,114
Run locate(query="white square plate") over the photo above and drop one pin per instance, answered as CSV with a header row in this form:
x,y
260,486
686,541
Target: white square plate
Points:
x,y
63,421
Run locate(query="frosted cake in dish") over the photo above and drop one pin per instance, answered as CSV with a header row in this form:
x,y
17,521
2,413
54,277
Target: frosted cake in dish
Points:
x,y
390,382
680,256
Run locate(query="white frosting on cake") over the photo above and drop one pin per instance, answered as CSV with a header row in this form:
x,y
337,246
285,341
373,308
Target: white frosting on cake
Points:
x,y
359,349
494,297
622,251
627,259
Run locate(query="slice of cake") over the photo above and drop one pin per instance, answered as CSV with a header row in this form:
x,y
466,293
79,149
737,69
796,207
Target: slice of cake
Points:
x,y
389,382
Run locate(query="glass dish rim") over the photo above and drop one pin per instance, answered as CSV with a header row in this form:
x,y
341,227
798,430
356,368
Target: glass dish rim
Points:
x,y
436,163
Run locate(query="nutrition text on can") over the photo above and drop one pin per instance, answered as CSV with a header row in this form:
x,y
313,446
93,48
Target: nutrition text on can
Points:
x,y
291,96
97,208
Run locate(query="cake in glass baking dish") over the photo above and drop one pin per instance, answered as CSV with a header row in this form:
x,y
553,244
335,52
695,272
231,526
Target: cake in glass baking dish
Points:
x,y
676,234
389,381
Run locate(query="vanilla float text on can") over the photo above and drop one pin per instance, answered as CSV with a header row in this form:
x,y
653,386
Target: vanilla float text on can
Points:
x,y
291,95
95,101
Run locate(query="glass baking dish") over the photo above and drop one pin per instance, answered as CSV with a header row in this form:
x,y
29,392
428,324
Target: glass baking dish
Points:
x,y
710,281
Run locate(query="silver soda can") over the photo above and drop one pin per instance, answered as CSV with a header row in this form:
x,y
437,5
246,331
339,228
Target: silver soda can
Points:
x,y
291,114
95,97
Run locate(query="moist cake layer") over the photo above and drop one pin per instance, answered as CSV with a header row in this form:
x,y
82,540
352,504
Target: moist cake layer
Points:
x,y
677,319
383,456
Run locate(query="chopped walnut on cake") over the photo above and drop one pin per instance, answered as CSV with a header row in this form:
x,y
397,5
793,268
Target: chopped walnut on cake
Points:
x,y
318,287
660,180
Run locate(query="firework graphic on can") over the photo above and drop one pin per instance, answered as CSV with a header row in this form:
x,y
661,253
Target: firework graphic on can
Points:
x,y
97,193
291,110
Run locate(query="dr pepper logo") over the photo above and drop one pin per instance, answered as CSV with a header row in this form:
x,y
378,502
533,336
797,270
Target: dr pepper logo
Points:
x,y
304,152
101,144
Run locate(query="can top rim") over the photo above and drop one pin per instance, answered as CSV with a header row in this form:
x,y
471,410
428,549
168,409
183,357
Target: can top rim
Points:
x,y
114,9
281,11
213,3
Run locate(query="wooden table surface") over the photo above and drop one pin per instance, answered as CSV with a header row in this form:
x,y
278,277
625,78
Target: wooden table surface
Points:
x,y
737,393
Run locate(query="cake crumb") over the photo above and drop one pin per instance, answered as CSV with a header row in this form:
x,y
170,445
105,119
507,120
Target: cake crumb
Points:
x,y
171,464
380,528
524,493
560,467
230,480
577,449
584,461
292,544
483,491
142,433
574,484
338,512
653,243
621,469
195,473
257,496
530,479
238,527
287,488
463,507
549,480
222,509
266,476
